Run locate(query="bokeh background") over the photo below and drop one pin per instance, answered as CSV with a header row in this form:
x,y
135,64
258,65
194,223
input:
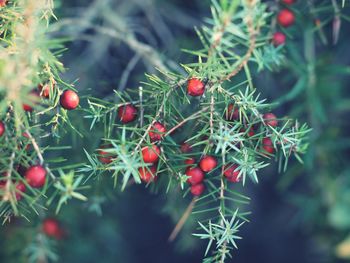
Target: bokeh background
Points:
x,y
300,216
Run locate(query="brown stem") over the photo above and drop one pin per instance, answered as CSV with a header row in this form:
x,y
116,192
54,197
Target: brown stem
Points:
x,y
182,220
193,116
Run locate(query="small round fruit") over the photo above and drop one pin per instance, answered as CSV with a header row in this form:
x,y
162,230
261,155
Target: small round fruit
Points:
x,y
190,161
270,119
69,100
208,163
288,2
195,87
51,228
197,189
157,132
35,176
3,3
2,128
148,174
33,97
20,189
185,147
285,18
45,90
103,156
250,133
195,174
150,154
231,173
127,113
268,145
278,39
232,113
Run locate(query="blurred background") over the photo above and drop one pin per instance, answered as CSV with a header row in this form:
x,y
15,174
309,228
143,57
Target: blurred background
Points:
x,y
300,216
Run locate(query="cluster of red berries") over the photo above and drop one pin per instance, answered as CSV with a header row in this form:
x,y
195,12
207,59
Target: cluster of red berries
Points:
x,y
150,153
69,99
285,18
52,228
35,176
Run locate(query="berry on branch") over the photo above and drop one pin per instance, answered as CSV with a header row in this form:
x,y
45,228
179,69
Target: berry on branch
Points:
x,y
185,147
157,132
33,97
45,90
190,161
69,100
150,154
231,173
2,128
278,39
51,228
127,113
103,156
196,175
3,3
268,145
232,113
285,18
208,163
197,189
20,189
195,87
148,174
270,119
35,176
288,2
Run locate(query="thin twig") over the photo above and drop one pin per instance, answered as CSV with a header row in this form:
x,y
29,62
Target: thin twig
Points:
x,y
7,195
125,76
182,220
191,117
39,154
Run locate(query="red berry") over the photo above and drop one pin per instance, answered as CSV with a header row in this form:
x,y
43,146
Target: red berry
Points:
x,y
208,163
232,113
268,145
35,176
127,113
285,18
105,157
270,119
250,133
231,173
2,128
278,39
45,90
3,3
190,161
33,97
185,147
148,174
195,174
20,189
150,154
197,189
51,228
288,2
157,132
195,87
69,100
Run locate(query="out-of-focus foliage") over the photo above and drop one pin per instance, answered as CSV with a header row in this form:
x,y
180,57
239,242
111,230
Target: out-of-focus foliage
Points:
x,y
112,44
